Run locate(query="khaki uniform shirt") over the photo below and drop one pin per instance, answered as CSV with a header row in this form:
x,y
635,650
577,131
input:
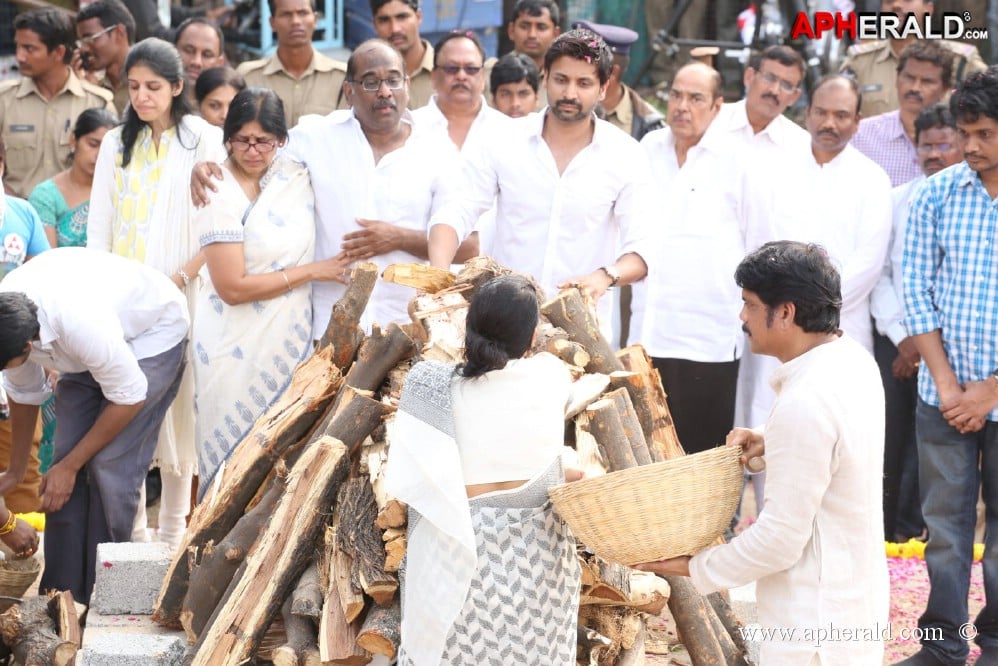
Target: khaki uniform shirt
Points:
x,y
120,94
874,65
37,130
319,90
420,83
622,116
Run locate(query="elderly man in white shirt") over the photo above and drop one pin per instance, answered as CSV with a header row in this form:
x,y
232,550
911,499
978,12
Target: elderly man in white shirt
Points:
x,y
571,191
116,332
816,552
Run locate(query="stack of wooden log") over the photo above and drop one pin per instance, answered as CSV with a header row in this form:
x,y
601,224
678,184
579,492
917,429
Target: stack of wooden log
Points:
x,y
293,555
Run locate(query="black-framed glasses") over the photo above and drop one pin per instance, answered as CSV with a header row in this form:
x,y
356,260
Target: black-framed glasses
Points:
x,y
373,83
90,39
452,70
262,145
785,85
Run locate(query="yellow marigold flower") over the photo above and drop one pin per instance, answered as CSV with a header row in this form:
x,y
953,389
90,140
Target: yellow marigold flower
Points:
x,y
35,519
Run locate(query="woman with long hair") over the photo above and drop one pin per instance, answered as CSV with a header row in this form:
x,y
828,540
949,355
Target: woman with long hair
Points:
x,y
254,321
141,208
474,450
214,91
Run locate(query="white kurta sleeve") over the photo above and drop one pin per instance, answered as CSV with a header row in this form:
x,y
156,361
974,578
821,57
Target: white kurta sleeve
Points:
x,y
103,207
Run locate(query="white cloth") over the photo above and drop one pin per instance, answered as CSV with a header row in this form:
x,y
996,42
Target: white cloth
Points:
x,y
404,188
771,146
525,430
844,206
688,305
554,226
816,550
887,300
98,313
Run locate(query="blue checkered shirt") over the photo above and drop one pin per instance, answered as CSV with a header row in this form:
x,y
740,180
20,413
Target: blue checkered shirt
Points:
x,y
950,271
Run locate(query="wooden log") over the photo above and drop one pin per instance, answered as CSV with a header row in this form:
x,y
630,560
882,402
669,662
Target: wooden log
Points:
x,y
442,318
351,598
358,536
590,645
632,427
287,421
343,331
476,272
281,554
732,656
690,612
210,578
634,383
301,648
419,276
633,655
648,594
337,634
28,629
606,427
378,354
648,392
732,625
394,552
612,582
306,600
569,352
381,632
569,312
62,609
586,447
585,390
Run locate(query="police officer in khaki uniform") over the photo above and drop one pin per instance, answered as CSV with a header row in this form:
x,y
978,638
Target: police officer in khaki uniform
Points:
x,y
397,22
305,80
874,64
38,110
623,106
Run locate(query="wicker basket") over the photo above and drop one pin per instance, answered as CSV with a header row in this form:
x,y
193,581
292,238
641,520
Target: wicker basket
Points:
x,y
16,576
656,511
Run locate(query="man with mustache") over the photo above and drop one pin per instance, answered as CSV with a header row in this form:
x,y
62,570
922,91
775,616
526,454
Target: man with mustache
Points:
x,y
894,349
950,287
305,80
397,22
925,70
105,30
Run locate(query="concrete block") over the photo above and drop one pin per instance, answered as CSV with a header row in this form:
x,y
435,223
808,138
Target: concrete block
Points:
x,y
115,649
98,625
128,578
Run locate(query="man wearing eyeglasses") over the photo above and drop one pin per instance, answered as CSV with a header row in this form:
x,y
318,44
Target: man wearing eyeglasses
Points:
x,y
105,31
38,110
925,72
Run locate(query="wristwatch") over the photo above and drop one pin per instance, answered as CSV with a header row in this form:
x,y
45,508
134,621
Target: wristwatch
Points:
x,y
612,273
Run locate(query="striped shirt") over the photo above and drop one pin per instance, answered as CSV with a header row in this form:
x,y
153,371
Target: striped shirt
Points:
x,y
883,139
950,270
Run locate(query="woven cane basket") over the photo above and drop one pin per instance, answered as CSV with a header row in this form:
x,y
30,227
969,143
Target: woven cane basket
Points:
x,y
656,511
16,576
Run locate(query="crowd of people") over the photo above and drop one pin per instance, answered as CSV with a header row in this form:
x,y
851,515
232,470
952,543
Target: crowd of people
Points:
x,y
175,233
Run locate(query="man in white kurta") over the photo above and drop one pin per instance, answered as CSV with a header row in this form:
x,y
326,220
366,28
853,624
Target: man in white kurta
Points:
x,y
816,552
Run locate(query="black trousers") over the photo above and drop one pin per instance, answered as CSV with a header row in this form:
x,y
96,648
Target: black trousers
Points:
x,y
701,398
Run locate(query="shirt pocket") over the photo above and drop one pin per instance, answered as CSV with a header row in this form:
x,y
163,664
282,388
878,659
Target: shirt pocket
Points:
x,y
22,141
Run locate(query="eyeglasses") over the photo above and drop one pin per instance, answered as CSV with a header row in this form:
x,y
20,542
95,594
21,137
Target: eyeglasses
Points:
x,y
262,146
926,148
90,39
785,86
452,70
373,84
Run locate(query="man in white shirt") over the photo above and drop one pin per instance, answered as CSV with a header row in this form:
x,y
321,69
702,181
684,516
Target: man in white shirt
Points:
x,y
377,180
816,552
895,351
571,191
686,312
116,331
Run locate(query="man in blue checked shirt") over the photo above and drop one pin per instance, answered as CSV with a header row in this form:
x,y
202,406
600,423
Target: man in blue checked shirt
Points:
x,y
950,271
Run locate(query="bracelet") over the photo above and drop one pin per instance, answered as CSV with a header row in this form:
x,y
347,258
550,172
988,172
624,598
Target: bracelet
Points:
x,y
286,280
8,527
184,277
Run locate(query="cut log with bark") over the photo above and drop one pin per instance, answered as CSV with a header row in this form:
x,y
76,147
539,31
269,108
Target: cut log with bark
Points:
x,y
632,427
648,593
585,391
395,546
570,312
732,625
279,557
306,600
359,537
611,582
606,427
337,633
442,318
634,655
28,629
378,354
693,618
647,392
586,447
476,272
64,613
419,276
292,416
381,632
351,598
568,352
301,648
355,415
732,656
343,332
621,625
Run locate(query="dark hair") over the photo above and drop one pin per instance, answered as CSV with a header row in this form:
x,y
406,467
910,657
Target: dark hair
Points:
x,y
977,96
799,273
378,4
19,323
536,8
364,47
53,27
162,58
500,324
259,104
93,119
457,34
781,54
272,4
200,20
513,68
215,77
581,44
109,13
937,115
931,52
829,78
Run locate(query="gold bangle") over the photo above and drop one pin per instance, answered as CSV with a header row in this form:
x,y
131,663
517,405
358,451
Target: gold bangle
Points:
x,y
8,526
286,280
